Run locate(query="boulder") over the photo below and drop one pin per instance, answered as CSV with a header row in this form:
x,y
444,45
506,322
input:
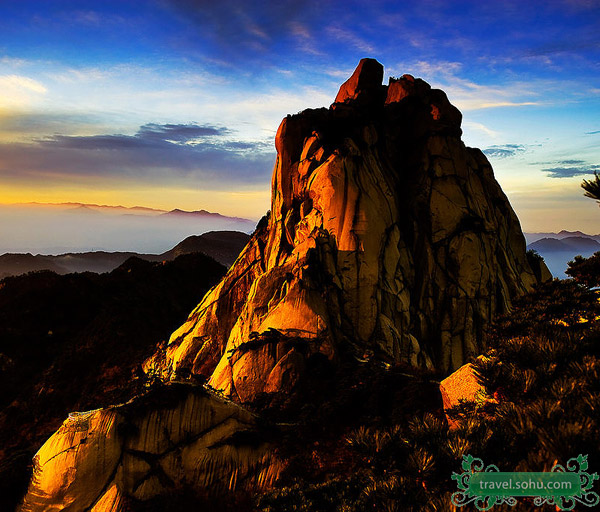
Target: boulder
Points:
x,y
175,437
461,385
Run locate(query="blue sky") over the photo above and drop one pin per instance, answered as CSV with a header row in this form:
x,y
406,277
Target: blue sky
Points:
x,y
175,103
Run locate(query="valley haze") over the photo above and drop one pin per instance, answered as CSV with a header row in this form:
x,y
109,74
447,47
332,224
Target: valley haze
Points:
x,y
59,228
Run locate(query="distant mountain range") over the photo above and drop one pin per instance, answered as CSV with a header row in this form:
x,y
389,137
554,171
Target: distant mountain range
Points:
x,y
223,246
129,210
201,214
558,249
534,237
570,244
60,228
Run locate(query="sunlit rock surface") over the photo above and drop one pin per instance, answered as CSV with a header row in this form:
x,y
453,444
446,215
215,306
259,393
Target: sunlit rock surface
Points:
x,y
180,436
387,237
463,386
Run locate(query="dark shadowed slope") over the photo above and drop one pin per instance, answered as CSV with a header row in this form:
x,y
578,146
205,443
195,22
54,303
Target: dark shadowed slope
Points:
x,y
74,342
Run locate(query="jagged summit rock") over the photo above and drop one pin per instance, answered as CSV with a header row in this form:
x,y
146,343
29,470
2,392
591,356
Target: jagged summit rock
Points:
x,y
366,79
387,238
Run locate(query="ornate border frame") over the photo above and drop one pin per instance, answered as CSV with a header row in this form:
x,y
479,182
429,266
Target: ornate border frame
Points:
x,y
577,465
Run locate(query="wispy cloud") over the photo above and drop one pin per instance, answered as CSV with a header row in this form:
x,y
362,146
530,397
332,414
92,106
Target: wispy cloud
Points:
x,y
342,74
592,133
469,95
343,35
572,162
304,39
12,61
570,171
87,17
16,82
178,132
480,127
35,124
237,28
504,150
154,136
72,75
565,47
19,91
435,68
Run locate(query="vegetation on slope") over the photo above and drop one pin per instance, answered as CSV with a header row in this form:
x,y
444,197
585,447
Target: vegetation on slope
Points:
x,y
542,370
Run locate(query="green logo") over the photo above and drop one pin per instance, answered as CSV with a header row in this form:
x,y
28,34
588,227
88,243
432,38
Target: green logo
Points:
x,y
486,486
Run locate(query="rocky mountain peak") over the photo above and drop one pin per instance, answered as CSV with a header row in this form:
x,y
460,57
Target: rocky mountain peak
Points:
x,y
366,79
387,238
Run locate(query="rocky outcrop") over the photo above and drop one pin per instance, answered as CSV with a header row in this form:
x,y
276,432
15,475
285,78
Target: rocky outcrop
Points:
x,y
387,238
364,82
180,436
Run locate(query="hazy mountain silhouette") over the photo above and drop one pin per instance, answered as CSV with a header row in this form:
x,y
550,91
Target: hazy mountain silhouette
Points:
x,y
562,247
200,214
54,229
534,237
223,246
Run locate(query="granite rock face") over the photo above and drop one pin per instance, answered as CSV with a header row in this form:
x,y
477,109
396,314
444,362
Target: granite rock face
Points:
x,y
177,437
387,237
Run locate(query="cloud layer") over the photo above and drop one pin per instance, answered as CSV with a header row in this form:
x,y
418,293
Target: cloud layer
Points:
x,y
570,168
189,154
504,150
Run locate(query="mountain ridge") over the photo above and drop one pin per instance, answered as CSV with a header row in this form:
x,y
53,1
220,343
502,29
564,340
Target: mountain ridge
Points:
x,y
568,243
223,246
50,230
532,237
561,248
202,213
108,207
